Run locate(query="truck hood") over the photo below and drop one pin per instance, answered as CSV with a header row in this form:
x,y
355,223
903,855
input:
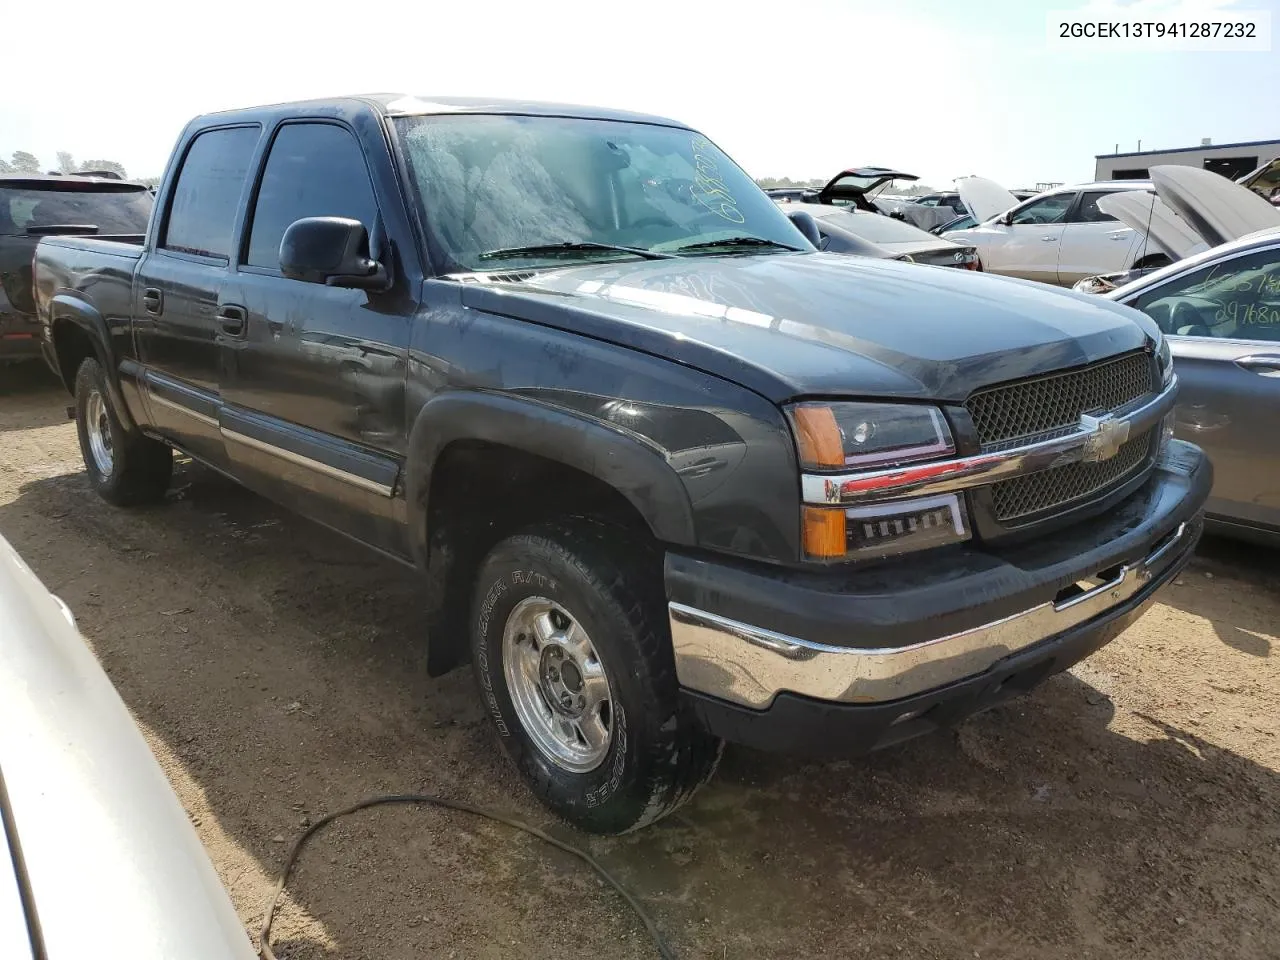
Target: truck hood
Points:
x,y
1215,207
1146,213
984,198
815,324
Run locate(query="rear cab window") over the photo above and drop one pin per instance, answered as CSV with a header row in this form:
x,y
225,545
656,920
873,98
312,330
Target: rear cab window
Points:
x,y
206,198
102,208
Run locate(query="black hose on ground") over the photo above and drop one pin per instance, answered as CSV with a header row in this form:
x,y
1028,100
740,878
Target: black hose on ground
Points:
x,y
264,936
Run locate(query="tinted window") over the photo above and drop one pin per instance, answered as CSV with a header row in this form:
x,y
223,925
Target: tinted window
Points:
x,y
203,211
313,170
111,210
1088,211
1045,210
1236,299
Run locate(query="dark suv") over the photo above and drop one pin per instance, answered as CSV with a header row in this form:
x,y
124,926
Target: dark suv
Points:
x,y
32,207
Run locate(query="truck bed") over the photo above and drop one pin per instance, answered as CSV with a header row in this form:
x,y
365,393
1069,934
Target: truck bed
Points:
x,y
94,270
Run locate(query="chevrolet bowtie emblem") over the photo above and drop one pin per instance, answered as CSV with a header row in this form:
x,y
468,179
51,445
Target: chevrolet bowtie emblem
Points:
x,y
1105,436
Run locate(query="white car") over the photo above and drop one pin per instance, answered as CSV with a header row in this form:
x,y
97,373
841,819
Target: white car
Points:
x,y
1191,211
97,857
1057,237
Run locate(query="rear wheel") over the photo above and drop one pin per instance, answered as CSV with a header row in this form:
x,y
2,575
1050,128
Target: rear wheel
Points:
x,y
574,660
124,468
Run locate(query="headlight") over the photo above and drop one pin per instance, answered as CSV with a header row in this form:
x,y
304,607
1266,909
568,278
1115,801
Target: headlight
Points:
x,y
849,437
837,436
1164,357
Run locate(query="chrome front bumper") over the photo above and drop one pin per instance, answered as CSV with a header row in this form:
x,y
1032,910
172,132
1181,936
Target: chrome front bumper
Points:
x,y
749,666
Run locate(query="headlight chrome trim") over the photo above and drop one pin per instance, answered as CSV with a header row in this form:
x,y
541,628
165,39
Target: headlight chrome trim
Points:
x,y
1091,440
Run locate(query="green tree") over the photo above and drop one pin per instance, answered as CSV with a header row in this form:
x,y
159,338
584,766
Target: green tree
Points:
x,y
111,165
5,166
66,163
24,162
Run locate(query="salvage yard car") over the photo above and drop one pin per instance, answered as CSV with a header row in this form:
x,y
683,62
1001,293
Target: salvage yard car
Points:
x,y
672,475
32,207
97,857
1058,237
846,230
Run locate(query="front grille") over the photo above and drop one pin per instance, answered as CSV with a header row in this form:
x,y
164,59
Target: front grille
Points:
x,y
1061,486
1012,413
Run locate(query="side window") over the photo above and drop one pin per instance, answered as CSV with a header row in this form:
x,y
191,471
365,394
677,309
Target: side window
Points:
x,y
1046,210
930,201
1236,299
1088,211
313,170
202,214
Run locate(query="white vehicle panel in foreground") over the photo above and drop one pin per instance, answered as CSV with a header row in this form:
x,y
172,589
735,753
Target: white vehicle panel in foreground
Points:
x,y
115,868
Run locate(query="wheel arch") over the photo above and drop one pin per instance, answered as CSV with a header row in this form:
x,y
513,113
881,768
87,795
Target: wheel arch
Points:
x,y
474,461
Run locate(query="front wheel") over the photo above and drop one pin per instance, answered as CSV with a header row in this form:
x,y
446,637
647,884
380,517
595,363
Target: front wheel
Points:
x,y
574,661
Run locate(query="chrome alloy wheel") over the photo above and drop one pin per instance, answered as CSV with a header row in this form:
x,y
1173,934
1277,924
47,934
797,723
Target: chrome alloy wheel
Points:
x,y
98,428
558,685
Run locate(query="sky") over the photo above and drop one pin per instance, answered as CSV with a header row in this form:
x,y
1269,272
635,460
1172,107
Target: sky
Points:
x,y
805,88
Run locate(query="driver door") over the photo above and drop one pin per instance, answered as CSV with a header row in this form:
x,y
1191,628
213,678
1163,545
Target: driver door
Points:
x,y
1031,238
1223,322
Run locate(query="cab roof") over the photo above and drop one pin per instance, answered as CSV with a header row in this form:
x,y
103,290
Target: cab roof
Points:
x,y
411,105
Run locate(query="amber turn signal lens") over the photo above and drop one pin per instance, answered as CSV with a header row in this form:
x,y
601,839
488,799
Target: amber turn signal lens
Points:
x,y
818,437
824,533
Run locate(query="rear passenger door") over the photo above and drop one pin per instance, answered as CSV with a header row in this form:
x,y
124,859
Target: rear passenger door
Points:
x,y
177,287
314,381
1093,242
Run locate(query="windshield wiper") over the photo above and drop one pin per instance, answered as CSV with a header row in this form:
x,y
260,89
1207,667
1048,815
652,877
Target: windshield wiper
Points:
x,y
738,242
569,247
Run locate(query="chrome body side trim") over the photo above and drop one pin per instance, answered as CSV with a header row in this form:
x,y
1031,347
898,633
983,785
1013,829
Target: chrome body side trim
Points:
x,y
172,405
748,665
316,465
948,476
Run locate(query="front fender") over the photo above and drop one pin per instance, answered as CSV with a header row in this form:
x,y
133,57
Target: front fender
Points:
x,y
637,470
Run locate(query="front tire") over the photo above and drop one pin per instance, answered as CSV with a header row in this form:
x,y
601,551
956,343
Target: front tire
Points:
x,y
574,661
124,468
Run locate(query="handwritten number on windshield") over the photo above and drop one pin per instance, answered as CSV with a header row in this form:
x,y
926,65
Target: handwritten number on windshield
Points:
x,y
708,186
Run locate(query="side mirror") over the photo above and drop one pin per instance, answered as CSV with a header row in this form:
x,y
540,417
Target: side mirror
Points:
x,y
807,225
333,251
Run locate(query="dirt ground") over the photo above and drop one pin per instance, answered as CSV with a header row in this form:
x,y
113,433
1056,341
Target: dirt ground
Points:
x,y
1130,808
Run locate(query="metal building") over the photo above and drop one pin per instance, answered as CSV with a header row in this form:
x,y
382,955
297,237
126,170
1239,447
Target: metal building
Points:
x,y
1232,160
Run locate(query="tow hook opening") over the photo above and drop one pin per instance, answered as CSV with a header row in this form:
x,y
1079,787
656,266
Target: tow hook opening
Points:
x,y
1088,585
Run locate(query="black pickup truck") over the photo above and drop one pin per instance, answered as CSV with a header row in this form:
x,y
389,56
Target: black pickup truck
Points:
x,y
671,475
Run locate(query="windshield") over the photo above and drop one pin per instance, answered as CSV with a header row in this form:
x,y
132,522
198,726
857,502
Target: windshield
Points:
x,y
111,210
499,183
876,227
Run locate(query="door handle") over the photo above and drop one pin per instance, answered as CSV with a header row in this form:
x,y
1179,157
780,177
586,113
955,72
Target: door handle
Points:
x,y
1118,236
1263,364
1048,239
231,318
152,300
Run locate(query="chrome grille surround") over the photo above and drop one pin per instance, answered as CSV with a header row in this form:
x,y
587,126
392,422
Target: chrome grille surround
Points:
x,y
1009,414
1061,486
